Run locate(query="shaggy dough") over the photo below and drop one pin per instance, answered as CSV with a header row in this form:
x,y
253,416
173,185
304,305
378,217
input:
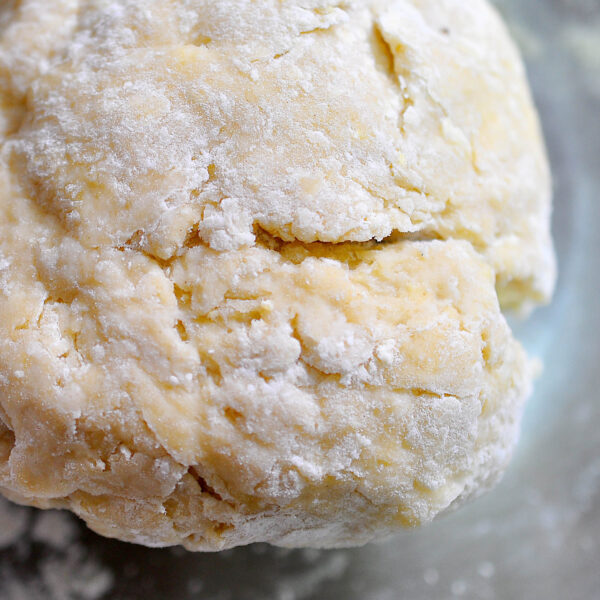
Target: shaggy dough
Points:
x,y
250,260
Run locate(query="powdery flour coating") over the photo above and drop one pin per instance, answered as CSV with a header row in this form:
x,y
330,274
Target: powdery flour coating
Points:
x,y
250,260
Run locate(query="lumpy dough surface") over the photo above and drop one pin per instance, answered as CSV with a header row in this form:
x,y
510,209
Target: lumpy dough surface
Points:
x,y
252,258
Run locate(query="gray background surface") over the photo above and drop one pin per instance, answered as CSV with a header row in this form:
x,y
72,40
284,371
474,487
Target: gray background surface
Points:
x,y
537,536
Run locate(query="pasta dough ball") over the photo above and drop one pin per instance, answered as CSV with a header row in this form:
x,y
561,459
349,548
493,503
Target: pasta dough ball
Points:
x,y
252,257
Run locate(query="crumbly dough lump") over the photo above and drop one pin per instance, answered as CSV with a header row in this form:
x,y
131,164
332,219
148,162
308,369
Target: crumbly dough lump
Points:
x,y
251,256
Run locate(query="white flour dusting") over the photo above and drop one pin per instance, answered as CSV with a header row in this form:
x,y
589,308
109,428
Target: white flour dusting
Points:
x,y
13,523
583,41
55,529
65,570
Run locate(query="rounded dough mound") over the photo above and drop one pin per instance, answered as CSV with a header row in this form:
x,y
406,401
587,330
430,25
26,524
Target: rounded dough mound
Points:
x,y
250,259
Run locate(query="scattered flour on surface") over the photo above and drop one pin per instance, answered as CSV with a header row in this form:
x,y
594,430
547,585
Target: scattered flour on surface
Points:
x,y
55,529
583,41
65,571
330,566
13,523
